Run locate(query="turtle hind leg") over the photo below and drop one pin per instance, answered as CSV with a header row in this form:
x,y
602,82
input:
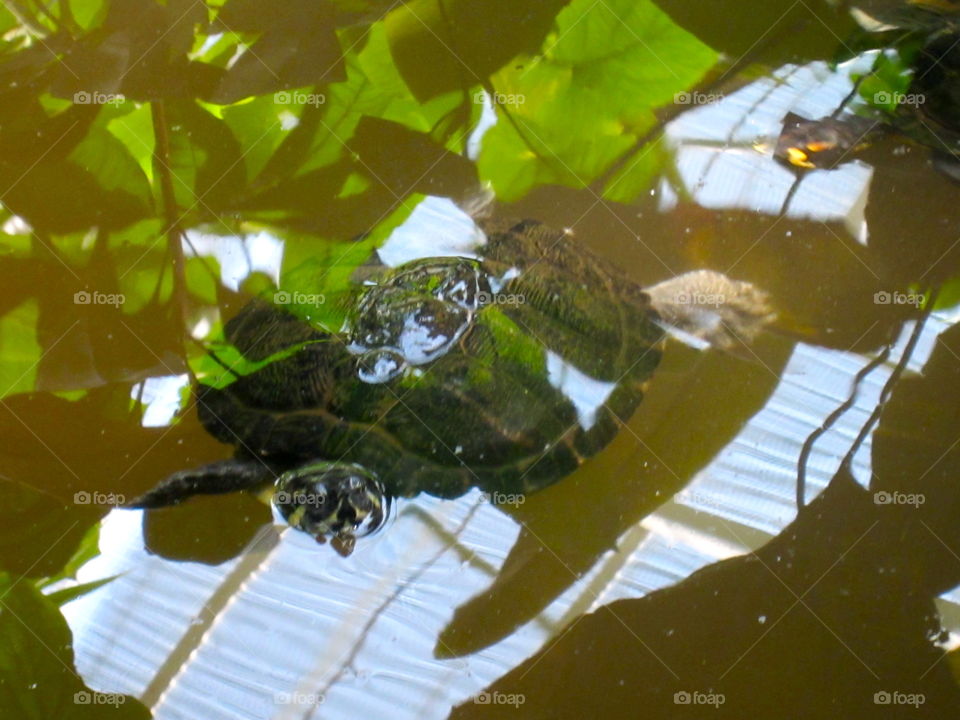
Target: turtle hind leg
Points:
x,y
223,476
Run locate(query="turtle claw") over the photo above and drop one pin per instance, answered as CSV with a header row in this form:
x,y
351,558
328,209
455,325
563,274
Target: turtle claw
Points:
x,y
344,544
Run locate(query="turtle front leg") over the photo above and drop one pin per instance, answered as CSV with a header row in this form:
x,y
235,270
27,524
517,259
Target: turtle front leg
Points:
x,y
223,476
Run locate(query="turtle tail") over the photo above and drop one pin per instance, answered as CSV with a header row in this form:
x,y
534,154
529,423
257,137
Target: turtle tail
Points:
x,y
223,476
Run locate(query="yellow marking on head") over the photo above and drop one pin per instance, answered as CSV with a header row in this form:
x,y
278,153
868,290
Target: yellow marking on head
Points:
x,y
798,157
296,516
820,145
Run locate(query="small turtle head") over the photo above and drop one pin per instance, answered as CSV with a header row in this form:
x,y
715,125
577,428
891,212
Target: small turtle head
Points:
x,y
339,501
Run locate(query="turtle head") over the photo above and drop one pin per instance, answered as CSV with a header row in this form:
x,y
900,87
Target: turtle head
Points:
x,y
331,500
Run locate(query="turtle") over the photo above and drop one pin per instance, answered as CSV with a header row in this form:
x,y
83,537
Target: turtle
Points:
x,y
925,35
502,372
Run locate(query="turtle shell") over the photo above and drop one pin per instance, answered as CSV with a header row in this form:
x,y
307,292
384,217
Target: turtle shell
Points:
x,y
502,373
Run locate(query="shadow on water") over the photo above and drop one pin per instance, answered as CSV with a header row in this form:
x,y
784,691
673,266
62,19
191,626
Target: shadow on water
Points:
x,y
834,617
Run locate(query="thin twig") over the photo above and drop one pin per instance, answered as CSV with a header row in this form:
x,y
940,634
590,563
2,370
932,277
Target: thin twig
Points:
x,y
174,231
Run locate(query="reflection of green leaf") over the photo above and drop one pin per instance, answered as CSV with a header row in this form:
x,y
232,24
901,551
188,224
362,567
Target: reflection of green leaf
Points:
x,y
88,549
949,295
108,159
637,174
889,79
36,662
32,518
326,269
135,131
63,596
224,363
258,126
20,349
373,87
206,161
589,96
453,45
88,13
296,46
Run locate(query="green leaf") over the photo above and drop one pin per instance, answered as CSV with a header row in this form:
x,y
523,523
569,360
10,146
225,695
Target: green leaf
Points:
x,y
20,349
638,172
260,125
36,663
88,549
206,160
108,159
33,518
65,595
887,82
327,269
373,88
456,44
570,112
135,131
297,46
88,13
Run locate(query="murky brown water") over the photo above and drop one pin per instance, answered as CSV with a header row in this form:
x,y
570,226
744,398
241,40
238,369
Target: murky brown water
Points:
x,y
670,575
